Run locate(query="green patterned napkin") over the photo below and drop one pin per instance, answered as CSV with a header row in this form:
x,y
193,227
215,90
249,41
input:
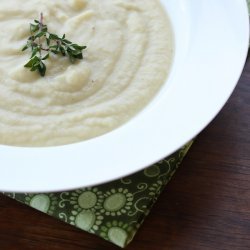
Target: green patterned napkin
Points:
x,y
113,211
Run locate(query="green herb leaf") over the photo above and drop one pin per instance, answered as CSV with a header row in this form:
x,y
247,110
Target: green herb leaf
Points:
x,y
53,36
25,47
34,52
40,34
45,57
54,51
48,41
42,43
34,28
42,68
67,41
31,62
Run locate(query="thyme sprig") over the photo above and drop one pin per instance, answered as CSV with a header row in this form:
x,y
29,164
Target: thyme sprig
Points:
x,y
42,43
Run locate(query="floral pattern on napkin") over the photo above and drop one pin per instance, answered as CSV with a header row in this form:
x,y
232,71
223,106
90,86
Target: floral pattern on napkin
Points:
x,y
113,211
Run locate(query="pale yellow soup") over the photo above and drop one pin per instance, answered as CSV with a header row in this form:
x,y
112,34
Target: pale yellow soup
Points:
x,y
128,57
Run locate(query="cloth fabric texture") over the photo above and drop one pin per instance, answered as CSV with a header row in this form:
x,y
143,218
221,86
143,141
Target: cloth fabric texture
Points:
x,y
113,211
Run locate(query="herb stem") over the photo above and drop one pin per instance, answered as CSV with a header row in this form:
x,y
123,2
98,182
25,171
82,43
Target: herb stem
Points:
x,y
40,30
42,40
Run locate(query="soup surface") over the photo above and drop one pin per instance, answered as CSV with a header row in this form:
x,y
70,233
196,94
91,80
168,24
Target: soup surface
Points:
x,y
128,57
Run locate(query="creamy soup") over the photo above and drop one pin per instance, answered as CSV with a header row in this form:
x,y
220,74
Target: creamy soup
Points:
x,y
128,57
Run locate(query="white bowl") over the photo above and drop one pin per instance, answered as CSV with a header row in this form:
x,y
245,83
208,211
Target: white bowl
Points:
x,y
211,47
